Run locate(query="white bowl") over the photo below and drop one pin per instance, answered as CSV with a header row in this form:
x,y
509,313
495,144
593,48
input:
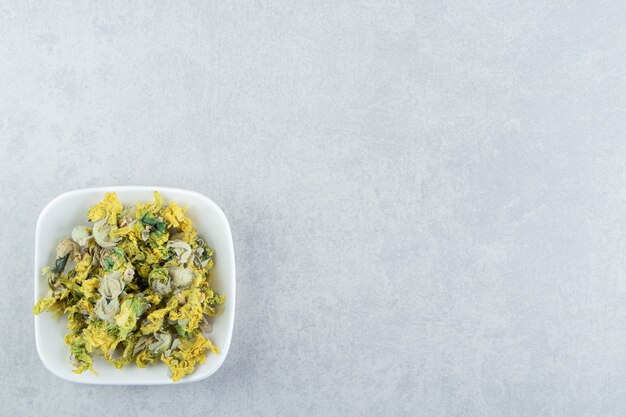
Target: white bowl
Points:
x,y
70,209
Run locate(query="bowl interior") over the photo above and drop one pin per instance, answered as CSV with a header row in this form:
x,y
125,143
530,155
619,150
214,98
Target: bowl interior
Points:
x,y
56,222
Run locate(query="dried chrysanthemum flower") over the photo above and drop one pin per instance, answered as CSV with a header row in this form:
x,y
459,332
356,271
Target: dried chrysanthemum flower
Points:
x,y
101,233
81,235
162,342
112,259
160,281
67,247
182,250
111,285
107,309
181,276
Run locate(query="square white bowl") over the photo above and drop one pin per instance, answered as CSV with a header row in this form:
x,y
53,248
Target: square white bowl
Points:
x,y
56,222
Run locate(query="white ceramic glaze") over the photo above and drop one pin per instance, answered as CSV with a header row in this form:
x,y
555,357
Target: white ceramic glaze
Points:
x,y
69,209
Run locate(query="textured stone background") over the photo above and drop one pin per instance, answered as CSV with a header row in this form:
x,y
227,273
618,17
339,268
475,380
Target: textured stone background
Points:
x,y
427,198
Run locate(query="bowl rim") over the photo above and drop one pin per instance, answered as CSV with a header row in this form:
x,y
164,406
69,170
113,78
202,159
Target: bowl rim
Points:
x,y
231,298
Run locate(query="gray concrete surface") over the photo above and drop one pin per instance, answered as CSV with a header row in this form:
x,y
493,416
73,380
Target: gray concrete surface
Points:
x,y
427,198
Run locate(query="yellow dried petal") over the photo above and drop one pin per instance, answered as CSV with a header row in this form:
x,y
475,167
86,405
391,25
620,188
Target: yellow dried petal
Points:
x,y
111,205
